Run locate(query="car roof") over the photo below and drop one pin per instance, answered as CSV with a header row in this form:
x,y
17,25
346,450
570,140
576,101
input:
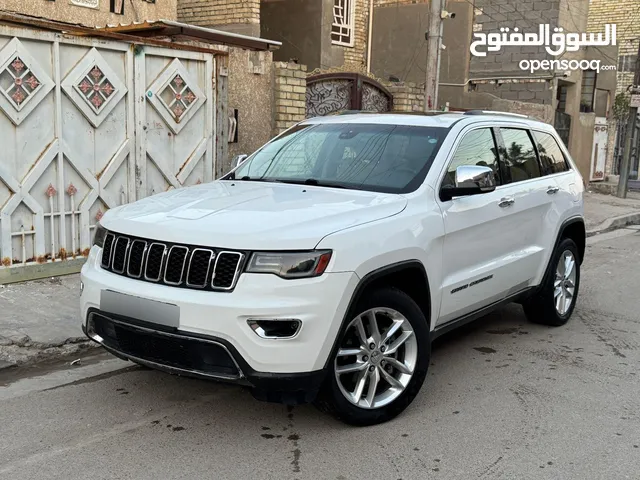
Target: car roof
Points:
x,y
426,119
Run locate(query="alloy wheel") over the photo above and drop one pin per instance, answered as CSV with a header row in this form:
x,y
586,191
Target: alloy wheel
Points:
x,y
377,358
564,285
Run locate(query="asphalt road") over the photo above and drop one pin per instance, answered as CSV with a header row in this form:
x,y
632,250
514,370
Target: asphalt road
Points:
x,y
504,400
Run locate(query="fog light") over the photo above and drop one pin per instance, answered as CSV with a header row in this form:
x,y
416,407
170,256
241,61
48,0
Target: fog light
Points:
x,y
274,328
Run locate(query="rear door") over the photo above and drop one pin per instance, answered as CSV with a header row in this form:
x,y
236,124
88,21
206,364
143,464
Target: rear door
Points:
x,y
532,192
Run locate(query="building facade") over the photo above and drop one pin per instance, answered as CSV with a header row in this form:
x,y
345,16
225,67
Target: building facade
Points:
x,y
626,15
94,13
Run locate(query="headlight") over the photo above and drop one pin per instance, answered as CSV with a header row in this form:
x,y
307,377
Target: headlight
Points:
x,y
100,234
290,264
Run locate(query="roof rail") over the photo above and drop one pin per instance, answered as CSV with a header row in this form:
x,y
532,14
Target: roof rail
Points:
x,y
493,112
392,112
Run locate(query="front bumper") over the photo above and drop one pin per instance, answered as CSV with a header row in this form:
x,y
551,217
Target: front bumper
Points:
x,y
319,303
196,356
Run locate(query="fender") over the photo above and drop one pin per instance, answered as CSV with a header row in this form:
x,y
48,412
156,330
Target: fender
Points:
x,y
367,280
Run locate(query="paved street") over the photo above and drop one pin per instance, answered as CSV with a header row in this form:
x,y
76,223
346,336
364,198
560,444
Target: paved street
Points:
x,y
504,400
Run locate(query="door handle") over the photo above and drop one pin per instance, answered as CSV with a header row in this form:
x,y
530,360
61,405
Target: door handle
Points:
x,y
506,202
552,190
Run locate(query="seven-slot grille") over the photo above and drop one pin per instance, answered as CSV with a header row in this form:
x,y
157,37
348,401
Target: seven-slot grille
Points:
x,y
171,264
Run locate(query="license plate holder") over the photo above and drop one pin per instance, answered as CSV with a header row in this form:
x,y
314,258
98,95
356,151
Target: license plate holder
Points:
x,y
143,309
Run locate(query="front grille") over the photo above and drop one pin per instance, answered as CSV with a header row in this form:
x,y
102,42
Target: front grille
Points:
x,y
186,266
172,350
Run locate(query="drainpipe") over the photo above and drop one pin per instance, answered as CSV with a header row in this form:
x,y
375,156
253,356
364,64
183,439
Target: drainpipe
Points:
x,y
369,36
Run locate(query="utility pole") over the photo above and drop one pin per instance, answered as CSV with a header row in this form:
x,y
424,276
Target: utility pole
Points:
x,y
631,129
434,37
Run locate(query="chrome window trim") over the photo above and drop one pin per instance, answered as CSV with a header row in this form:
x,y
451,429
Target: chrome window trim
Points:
x,y
235,275
142,262
184,262
126,254
212,255
164,254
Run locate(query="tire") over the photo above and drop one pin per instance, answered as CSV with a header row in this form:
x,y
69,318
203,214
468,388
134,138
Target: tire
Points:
x,y
390,307
542,307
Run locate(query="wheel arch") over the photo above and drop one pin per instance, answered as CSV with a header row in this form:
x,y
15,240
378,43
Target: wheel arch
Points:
x,y
575,229
400,274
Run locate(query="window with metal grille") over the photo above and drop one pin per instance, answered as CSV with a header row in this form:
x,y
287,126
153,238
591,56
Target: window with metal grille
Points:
x,y
587,96
343,22
627,63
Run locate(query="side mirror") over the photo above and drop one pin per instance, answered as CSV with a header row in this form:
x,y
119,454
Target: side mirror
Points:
x,y
237,160
470,180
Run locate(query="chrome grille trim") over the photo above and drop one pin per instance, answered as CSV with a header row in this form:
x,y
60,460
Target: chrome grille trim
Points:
x,y
146,264
209,268
142,262
212,256
126,254
237,272
111,249
184,262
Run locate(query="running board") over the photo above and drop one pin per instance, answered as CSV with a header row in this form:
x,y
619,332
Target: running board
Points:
x,y
470,317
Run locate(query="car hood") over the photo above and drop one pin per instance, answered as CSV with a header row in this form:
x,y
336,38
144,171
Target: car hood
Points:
x,y
248,215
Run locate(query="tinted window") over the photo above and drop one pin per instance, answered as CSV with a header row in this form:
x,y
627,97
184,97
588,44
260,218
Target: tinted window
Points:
x,y
518,155
476,148
378,157
551,156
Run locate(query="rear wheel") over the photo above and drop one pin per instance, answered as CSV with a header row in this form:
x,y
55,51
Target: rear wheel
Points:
x,y
381,362
554,303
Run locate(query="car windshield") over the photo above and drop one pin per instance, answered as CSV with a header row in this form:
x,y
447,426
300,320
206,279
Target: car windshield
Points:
x,y
383,158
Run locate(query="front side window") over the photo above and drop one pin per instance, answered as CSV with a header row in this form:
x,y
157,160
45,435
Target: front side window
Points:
x,y
519,155
476,148
551,156
343,22
384,158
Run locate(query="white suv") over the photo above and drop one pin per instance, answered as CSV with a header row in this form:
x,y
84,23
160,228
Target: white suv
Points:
x,y
322,267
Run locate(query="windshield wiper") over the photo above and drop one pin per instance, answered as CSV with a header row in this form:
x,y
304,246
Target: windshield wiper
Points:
x,y
310,181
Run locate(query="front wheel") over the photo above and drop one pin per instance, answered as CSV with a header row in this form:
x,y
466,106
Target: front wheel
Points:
x,y
554,303
381,361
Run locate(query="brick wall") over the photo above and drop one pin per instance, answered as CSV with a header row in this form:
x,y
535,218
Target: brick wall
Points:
x,y
626,15
219,12
290,86
407,97
356,57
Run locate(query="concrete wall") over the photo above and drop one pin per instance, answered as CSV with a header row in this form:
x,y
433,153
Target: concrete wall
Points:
x,y
493,14
238,16
71,11
298,25
399,47
250,90
581,142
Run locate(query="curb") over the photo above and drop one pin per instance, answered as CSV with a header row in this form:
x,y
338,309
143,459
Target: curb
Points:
x,y
615,223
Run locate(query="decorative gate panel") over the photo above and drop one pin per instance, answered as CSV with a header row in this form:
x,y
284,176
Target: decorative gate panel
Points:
x,y
334,92
88,125
177,119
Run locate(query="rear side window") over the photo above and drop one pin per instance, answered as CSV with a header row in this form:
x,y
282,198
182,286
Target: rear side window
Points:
x,y
519,155
476,148
551,156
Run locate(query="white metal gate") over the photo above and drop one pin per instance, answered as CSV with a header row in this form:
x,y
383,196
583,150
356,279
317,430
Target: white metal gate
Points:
x,y
87,125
